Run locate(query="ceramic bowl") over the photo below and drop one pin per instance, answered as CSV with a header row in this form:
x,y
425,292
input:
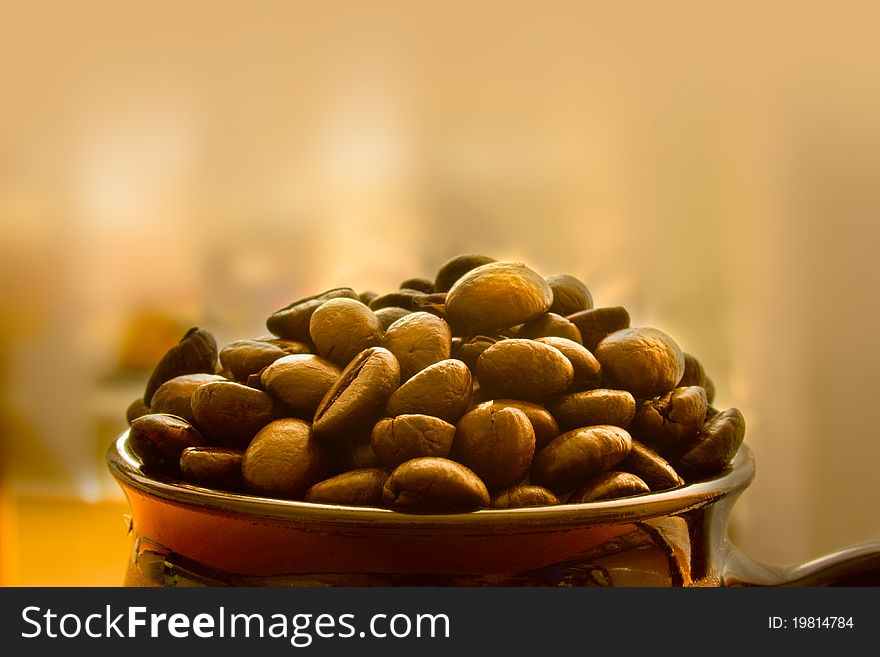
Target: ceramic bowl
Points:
x,y
184,535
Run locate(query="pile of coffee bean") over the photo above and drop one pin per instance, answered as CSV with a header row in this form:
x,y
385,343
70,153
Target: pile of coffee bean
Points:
x,y
490,386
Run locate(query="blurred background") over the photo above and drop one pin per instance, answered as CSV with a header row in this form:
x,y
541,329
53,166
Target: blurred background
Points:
x,y
712,167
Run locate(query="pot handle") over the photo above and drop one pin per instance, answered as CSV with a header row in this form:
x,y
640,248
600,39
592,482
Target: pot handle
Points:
x,y
856,565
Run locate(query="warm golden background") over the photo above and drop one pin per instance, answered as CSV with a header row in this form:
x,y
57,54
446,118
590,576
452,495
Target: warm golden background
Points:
x,y
711,166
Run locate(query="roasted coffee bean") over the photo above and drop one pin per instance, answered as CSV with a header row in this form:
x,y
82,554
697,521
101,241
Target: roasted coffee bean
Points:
x,y
478,396
443,390
669,421
230,413
498,444
575,456
714,447
543,423
299,382
589,407
597,323
420,284
570,295
523,369
292,321
587,371
431,484
549,324
158,439
608,486
398,439
342,328
434,303
456,267
359,395
354,452
496,296
523,495
645,361
195,353
136,409
709,387
650,467
255,381
242,358
418,340
283,460
175,395
390,314
213,467
694,374
360,487
408,299
289,346
468,350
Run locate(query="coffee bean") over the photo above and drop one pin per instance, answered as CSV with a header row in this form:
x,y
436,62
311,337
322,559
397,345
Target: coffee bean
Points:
x,y
672,419
469,350
418,340
359,395
443,390
299,382
652,468
478,396
587,371
496,443
431,484
158,439
590,407
523,495
175,395
230,413
575,456
420,284
390,314
196,353
550,324
543,423
597,323
455,268
136,409
292,321
694,374
607,486
523,369
714,447
434,303
645,361
284,460
342,328
289,346
354,452
570,295
245,357
496,296
359,487
213,467
709,387
407,299
398,439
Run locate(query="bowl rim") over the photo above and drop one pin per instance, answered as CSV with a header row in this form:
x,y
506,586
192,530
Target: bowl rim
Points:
x,y
125,468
